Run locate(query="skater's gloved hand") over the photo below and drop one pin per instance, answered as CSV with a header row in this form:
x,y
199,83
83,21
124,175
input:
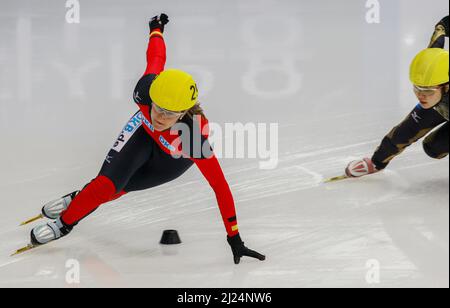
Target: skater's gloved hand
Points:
x,y
158,22
239,250
359,168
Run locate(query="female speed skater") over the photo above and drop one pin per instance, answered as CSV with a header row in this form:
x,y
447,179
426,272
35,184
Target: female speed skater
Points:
x,y
429,74
155,147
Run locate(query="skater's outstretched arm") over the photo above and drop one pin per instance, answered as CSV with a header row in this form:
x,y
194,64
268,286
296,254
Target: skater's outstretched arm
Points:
x,y
156,51
211,170
416,125
440,33
209,166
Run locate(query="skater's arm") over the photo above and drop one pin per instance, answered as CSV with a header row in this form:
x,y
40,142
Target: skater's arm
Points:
x,y
440,33
156,59
211,170
213,173
156,51
415,126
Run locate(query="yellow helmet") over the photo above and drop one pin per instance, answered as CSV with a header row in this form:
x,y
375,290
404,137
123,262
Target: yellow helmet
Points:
x,y
430,68
174,90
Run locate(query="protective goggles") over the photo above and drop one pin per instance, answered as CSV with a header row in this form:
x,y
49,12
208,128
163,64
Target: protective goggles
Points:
x,y
427,91
167,113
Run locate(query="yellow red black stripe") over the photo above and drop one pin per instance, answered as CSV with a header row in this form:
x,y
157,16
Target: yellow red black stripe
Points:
x,y
156,33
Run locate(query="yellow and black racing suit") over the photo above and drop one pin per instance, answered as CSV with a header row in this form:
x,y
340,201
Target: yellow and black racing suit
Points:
x,y
420,122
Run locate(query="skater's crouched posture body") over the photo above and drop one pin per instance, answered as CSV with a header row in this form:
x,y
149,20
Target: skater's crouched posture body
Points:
x,y
429,74
160,142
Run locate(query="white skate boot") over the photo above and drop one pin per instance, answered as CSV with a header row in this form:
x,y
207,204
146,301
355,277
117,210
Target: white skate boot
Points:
x,y
48,232
53,209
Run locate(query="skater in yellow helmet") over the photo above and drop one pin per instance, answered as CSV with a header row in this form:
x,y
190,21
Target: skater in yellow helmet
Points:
x,y
152,150
429,75
174,90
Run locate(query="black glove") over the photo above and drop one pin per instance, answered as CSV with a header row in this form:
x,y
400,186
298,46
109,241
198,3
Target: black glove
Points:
x,y
239,250
158,22
444,22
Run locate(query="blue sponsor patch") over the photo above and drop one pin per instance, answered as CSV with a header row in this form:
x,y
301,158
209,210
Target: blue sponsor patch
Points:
x,y
149,125
166,144
133,124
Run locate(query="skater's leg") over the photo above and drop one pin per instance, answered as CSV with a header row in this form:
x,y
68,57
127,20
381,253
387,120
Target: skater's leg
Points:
x,y
99,191
54,209
160,169
436,145
132,150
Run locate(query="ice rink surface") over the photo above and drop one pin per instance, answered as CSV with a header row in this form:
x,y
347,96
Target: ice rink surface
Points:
x,y
334,83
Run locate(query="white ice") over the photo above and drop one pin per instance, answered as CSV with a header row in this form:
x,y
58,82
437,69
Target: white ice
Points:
x,y
334,83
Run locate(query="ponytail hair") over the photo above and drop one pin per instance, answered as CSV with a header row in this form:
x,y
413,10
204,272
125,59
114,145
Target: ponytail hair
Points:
x,y
196,110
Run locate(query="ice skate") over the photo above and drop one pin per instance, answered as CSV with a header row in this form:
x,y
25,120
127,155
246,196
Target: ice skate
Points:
x,y
53,209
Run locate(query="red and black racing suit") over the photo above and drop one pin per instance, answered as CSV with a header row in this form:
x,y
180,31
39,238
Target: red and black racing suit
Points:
x,y
143,158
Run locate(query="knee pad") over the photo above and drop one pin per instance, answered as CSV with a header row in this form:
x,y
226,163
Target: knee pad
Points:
x,y
431,152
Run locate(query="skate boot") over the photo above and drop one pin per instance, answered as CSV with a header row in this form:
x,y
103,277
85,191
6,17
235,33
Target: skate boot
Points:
x,y
53,209
48,232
